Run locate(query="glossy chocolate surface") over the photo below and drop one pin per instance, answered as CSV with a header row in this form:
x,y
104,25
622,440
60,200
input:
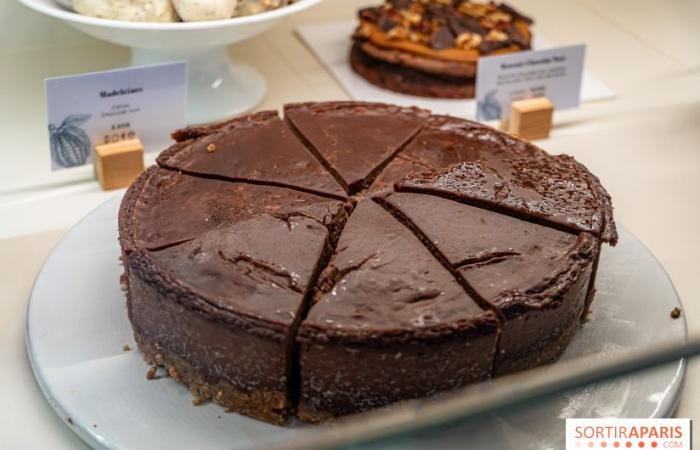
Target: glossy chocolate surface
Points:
x,y
260,267
509,174
495,253
442,143
256,148
389,323
383,280
355,139
172,207
536,276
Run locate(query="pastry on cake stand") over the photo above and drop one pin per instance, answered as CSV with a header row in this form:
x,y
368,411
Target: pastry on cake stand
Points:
x,y
218,86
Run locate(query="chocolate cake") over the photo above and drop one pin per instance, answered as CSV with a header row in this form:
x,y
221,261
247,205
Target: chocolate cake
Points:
x,y
431,48
353,255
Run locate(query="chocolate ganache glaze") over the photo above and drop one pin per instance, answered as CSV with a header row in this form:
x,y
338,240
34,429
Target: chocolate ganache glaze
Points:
x,y
355,139
353,255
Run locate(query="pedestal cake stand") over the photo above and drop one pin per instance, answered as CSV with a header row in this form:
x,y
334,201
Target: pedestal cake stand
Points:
x,y
218,86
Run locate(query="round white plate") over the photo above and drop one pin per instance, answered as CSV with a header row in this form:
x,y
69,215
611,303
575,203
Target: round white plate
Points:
x,y
77,326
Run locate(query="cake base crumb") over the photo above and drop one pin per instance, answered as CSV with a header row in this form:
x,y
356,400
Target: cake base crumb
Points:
x,y
675,313
126,348
151,374
263,405
199,400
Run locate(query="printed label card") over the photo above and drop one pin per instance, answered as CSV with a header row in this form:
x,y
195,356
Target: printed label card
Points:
x,y
555,73
90,109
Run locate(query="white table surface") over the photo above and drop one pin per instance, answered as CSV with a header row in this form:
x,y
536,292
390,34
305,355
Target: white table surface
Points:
x,y
644,145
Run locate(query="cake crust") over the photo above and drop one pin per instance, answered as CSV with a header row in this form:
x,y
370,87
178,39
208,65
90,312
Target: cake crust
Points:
x,y
267,405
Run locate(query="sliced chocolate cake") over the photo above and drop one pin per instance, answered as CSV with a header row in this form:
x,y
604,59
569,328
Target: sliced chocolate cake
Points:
x,y
354,255
551,189
219,311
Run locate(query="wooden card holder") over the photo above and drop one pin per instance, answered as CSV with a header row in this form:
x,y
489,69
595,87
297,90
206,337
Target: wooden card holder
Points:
x,y
531,118
118,164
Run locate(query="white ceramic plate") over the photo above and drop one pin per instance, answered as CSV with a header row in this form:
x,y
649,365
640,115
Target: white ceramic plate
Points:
x,y
77,325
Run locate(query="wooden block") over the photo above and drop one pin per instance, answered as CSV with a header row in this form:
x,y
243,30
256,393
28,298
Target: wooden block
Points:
x,y
118,164
531,118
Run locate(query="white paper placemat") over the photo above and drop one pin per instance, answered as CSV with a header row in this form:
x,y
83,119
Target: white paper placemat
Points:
x,y
331,42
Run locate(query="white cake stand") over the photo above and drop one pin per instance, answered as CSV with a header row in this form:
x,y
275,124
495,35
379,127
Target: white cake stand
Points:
x,y
218,86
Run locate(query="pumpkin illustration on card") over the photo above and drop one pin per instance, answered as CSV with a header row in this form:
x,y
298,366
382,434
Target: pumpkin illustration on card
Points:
x,y
70,144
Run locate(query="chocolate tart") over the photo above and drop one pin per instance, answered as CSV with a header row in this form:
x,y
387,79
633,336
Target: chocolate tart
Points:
x,y
352,255
431,49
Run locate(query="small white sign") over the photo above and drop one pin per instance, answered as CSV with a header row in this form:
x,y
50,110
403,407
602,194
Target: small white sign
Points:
x,y
611,434
555,73
90,109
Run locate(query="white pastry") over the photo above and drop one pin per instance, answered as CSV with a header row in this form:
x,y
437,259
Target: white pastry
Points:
x,y
193,10
131,10
249,7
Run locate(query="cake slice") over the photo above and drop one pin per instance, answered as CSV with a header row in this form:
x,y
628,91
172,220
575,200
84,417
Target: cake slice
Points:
x,y
355,139
218,276
388,323
483,166
258,148
442,142
220,311
525,181
163,207
537,276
